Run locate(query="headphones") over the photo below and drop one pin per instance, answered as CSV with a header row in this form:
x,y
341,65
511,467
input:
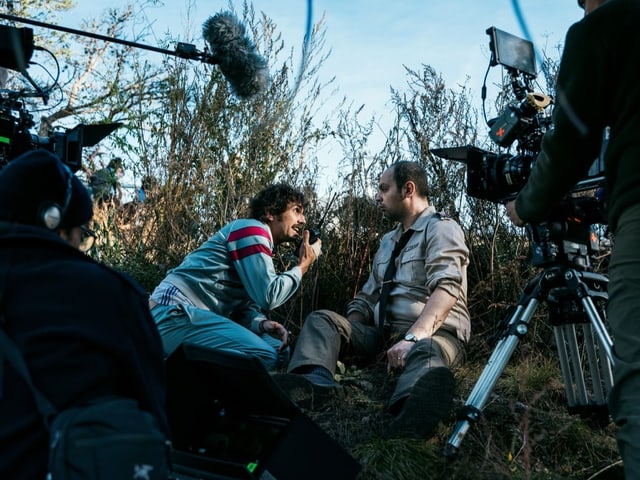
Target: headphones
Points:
x,y
51,213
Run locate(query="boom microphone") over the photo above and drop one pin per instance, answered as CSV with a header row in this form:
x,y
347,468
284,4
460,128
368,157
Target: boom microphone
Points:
x,y
235,54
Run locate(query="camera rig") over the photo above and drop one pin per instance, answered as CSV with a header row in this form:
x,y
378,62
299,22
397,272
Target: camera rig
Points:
x,y
498,177
16,122
229,48
564,245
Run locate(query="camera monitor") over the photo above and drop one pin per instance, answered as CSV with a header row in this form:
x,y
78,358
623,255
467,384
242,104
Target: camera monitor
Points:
x,y
512,52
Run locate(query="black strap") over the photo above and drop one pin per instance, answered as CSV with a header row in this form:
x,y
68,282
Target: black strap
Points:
x,y
387,281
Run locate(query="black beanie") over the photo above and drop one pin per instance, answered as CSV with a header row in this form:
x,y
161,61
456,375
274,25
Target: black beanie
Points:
x,y
37,179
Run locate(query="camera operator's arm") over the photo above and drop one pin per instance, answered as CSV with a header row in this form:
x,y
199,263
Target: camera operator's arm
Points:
x,y
513,215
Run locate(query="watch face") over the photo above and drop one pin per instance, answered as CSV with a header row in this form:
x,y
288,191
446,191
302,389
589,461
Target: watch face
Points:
x,y
410,337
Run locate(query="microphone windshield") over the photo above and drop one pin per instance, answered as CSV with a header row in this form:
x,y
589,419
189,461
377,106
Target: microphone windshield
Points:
x,y
235,54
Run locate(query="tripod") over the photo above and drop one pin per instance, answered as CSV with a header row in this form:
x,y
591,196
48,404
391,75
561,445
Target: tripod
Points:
x,y
572,294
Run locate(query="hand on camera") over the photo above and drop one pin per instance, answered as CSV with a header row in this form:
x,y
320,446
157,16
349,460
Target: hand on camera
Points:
x,y
513,215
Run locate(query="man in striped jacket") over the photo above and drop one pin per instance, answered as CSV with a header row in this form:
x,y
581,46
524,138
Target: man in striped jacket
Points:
x,y
221,293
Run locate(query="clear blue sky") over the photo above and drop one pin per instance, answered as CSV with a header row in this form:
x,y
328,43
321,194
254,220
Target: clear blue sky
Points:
x,y
372,40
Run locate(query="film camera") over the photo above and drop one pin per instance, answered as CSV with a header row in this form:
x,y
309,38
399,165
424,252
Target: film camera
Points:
x,y
564,244
498,177
16,49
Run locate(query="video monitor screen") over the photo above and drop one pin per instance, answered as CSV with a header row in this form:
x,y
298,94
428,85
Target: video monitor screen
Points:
x,y
512,52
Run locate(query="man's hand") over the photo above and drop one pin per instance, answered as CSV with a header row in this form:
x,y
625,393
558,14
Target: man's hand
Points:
x,y
276,330
308,253
513,215
397,355
317,247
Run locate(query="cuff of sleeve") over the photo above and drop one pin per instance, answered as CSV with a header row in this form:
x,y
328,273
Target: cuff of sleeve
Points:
x,y
528,211
452,289
296,272
255,324
360,307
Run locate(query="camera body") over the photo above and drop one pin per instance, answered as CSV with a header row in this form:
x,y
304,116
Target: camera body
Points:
x,y
498,177
524,121
15,137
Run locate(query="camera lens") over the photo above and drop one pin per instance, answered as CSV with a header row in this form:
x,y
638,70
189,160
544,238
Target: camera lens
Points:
x,y
510,173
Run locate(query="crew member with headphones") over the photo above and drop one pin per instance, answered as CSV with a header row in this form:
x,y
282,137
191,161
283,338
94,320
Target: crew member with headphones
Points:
x,y
44,197
84,330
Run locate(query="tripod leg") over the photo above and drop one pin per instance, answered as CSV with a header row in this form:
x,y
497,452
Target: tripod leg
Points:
x,y
565,369
599,367
470,412
601,332
584,362
600,357
571,365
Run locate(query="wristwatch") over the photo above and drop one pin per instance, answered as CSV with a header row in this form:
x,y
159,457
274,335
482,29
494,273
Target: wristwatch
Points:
x,y
410,337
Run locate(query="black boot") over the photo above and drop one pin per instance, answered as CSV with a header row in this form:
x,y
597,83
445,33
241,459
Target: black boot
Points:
x,y
430,401
310,387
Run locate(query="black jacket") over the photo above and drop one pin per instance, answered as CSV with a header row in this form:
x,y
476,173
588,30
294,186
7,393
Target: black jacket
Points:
x,y
597,87
84,330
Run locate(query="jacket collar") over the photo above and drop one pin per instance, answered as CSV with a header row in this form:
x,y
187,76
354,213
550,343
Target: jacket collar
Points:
x,y
419,225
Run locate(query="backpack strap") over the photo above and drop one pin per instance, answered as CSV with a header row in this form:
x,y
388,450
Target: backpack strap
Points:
x,y
10,351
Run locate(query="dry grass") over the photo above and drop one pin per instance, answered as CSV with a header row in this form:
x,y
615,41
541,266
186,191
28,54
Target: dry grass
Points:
x,y
533,439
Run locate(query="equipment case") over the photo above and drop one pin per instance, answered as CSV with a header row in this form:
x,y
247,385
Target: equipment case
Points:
x,y
229,420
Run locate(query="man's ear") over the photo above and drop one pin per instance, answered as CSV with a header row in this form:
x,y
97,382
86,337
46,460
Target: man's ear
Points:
x,y
409,189
269,217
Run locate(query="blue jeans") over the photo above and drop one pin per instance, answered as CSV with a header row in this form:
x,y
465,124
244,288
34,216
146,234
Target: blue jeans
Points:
x,y
185,323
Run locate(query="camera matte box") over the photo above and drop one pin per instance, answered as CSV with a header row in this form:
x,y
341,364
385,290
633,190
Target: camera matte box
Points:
x,y
229,420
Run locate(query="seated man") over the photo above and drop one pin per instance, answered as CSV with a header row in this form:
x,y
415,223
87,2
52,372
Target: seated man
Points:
x,y
83,329
416,314
219,296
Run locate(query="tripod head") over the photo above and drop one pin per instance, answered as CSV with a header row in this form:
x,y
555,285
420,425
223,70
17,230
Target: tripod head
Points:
x,y
568,237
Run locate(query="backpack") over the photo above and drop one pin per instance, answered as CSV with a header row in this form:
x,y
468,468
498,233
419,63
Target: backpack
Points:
x,y
107,439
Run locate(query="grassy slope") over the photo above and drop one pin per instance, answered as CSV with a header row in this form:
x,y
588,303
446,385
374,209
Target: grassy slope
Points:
x,y
525,431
